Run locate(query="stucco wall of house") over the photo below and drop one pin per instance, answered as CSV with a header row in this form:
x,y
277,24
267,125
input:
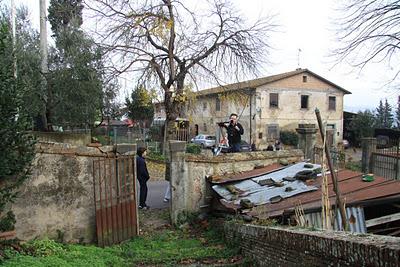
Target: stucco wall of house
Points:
x,y
288,115
204,114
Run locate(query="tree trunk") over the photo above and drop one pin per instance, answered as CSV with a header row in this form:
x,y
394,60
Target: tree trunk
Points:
x,y
173,110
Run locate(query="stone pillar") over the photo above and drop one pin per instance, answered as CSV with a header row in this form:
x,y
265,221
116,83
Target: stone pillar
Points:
x,y
307,139
368,145
180,191
126,149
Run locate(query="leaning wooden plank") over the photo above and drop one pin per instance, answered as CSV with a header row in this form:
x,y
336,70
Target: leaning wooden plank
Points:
x,y
383,219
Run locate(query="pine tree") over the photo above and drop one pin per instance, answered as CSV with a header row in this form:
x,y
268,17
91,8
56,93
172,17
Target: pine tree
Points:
x,y
380,115
398,113
388,118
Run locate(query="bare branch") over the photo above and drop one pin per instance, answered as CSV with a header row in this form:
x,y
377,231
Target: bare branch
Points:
x,y
170,44
369,31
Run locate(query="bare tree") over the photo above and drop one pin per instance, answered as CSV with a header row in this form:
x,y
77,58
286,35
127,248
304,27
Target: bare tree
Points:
x,y
172,44
369,32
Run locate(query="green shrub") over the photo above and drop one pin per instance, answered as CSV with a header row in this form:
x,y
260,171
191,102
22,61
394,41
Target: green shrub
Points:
x,y
354,166
289,138
7,222
193,148
158,156
44,247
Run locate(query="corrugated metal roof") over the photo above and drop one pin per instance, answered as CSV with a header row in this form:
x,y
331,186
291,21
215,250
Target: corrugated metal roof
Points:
x,y
353,190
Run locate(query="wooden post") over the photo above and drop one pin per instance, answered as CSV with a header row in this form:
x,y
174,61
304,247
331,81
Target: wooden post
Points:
x,y
333,173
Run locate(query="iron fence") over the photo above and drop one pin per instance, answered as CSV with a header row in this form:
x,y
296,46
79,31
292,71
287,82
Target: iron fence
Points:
x,y
383,157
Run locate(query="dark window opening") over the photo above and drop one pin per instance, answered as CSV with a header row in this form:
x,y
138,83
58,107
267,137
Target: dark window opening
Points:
x,y
332,103
273,100
217,104
304,78
304,101
259,135
273,131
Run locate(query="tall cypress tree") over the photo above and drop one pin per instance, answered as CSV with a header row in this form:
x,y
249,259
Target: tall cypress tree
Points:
x,y
76,72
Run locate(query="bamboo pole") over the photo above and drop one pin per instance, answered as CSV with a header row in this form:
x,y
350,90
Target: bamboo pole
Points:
x,y
333,173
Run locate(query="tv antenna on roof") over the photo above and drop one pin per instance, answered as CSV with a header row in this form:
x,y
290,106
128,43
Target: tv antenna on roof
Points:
x,y
298,58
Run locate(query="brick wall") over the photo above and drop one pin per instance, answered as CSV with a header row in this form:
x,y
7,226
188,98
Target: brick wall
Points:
x,y
273,246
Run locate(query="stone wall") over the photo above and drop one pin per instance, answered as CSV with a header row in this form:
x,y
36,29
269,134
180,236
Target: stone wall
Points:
x,y
75,139
57,200
269,246
190,190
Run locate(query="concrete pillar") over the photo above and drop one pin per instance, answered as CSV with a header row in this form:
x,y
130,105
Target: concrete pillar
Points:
x,y
307,139
180,191
368,145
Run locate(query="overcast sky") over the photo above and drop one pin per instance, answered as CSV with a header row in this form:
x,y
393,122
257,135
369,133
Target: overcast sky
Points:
x,y
306,25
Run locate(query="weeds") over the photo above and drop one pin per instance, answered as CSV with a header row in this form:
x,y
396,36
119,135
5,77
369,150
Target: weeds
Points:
x,y
200,242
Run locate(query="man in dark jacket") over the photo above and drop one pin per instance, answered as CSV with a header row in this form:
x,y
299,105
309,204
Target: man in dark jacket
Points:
x,y
235,130
142,176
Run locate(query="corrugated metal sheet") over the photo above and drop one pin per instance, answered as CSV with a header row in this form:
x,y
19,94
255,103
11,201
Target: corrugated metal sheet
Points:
x,y
231,177
355,215
261,194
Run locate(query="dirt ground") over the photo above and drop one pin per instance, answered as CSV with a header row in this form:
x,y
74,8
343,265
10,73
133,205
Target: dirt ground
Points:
x,y
154,220
353,154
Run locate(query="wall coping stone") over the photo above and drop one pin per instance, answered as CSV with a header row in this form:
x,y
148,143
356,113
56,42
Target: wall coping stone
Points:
x,y
243,156
126,148
177,146
70,150
354,249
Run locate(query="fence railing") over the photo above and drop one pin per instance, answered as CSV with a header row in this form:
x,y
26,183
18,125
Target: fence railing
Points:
x,y
382,157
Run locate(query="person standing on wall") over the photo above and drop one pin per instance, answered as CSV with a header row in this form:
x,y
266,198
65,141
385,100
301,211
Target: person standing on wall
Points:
x,y
234,130
142,176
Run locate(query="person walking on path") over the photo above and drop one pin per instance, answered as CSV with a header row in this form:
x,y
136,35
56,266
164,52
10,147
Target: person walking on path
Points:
x,y
142,176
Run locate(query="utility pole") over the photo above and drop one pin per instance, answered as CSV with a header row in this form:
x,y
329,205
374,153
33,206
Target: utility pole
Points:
x,y
44,60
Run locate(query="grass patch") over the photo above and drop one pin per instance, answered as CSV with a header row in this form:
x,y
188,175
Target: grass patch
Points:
x,y
168,247
353,166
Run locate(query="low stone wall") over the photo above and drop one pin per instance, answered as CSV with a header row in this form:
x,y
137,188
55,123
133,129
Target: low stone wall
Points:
x,y
269,246
190,191
58,197
75,139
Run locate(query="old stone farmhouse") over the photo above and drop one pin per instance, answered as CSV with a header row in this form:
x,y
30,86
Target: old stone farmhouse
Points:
x,y
271,104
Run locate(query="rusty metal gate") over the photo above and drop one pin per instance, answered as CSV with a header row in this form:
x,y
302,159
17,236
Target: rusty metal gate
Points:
x,y
115,200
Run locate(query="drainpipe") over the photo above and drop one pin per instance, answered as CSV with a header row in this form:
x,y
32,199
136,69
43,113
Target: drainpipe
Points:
x,y
250,117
